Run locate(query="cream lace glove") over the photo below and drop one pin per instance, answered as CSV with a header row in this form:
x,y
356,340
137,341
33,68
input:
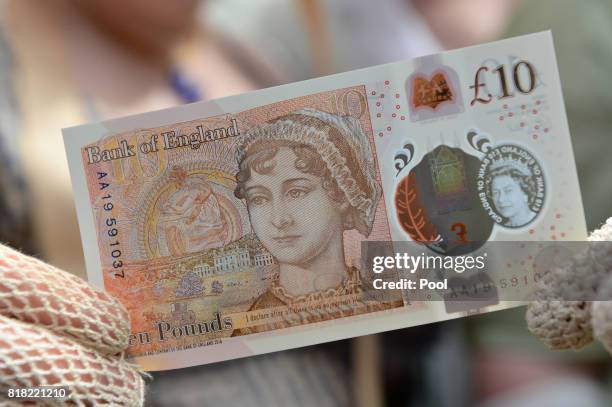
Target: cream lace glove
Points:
x,y
564,324
56,330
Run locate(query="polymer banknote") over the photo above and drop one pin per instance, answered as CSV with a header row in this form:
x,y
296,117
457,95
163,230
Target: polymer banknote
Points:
x,y
250,224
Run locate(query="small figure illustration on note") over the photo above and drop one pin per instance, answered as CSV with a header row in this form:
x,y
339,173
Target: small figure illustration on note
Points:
x,y
191,219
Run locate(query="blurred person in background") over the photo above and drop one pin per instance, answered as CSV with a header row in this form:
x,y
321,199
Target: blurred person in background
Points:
x,y
66,62
306,38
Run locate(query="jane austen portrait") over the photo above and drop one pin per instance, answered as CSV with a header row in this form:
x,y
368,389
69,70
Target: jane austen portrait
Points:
x,y
307,177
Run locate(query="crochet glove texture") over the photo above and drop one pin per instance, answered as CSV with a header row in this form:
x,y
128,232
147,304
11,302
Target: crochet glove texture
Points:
x,y
564,324
57,330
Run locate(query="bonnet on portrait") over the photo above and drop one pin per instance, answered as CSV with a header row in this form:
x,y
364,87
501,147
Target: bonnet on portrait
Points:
x,y
342,146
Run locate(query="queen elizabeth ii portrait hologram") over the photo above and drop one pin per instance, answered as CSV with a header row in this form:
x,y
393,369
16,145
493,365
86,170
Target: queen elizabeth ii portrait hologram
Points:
x,y
513,190
306,178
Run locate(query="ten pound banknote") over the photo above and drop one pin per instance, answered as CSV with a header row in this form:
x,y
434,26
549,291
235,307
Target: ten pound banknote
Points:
x,y
235,227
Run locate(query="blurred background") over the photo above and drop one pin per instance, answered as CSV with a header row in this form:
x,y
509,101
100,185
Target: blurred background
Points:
x,y
66,62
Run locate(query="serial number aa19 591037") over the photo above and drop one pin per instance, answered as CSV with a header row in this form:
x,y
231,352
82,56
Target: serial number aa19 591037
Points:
x,y
112,231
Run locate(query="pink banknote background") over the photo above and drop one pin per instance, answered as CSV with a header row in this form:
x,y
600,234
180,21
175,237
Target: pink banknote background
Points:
x,y
176,244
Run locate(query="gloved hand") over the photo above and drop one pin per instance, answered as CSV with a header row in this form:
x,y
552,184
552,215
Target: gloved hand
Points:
x,y
563,324
56,330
